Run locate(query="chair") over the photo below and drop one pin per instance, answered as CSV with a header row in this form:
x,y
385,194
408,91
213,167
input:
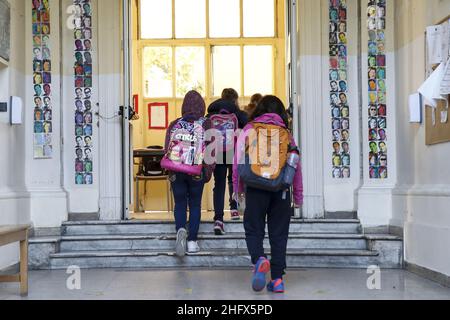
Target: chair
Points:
x,y
150,170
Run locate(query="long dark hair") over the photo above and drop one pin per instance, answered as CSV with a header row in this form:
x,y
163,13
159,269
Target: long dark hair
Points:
x,y
271,104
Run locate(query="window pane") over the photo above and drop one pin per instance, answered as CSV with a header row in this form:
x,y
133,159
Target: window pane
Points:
x,y
226,68
158,80
259,18
190,19
156,19
190,63
224,19
258,70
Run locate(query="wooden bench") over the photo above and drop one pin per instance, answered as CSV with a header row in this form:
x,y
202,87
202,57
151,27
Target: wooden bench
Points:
x,y
11,234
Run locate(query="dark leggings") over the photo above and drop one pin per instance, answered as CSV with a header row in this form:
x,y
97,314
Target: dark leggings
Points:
x,y
220,182
276,207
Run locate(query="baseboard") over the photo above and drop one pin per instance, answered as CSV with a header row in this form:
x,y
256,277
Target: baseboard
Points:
x,y
91,216
428,274
45,232
346,215
376,230
396,231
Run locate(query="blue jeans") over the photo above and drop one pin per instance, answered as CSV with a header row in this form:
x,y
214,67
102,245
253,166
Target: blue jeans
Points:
x,y
220,184
187,190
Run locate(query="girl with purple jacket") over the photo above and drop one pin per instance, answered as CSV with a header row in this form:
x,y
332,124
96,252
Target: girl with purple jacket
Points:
x,y
188,189
261,205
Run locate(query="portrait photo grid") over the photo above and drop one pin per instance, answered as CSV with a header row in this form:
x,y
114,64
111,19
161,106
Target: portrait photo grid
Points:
x,y
378,158
42,80
83,92
340,112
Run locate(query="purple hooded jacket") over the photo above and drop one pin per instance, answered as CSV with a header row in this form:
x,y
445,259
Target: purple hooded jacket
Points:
x,y
193,109
273,119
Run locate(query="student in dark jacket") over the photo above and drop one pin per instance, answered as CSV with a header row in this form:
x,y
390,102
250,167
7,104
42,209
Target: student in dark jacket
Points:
x,y
224,167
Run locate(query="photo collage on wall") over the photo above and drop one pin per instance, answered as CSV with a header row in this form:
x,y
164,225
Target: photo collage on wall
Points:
x,y
340,112
378,158
83,92
42,81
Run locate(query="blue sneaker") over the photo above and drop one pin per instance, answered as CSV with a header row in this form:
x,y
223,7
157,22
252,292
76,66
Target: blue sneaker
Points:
x,y
276,286
262,267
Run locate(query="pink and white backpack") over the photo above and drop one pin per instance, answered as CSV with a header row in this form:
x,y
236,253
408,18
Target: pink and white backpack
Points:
x,y
186,150
227,124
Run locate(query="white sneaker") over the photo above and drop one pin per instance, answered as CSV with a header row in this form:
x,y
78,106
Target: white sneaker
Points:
x,y
180,246
193,247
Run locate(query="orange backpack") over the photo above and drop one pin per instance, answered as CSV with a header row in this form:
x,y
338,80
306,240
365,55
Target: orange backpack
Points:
x,y
266,156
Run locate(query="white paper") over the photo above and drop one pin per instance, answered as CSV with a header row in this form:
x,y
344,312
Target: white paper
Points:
x,y
434,44
431,88
158,116
445,42
445,83
415,108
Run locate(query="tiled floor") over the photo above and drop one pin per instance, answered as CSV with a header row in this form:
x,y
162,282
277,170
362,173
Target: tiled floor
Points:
x,y
168,216
313,284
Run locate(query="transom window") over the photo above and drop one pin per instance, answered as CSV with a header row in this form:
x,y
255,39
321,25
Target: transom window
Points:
x,y
208,45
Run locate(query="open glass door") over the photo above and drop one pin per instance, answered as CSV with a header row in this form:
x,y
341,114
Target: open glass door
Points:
x,y
292,71
206,45
126,110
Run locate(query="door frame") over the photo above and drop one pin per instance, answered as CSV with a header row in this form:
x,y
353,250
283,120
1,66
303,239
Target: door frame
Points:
x,y
127,76
292,91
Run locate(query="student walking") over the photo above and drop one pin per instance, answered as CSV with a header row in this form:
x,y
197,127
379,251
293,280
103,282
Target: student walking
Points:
x,y
185,151
227,118
266,182
254,101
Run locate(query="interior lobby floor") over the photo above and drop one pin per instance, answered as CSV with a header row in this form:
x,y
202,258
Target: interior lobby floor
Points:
x,y
169,216
306,284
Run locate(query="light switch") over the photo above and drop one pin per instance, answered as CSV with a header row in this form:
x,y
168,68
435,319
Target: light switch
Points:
x,y
16,110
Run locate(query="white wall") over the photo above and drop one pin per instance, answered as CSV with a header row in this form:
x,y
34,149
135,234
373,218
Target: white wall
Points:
x,y
322,192
375,204
104,195
14,199
422,198
340,194
84,198
48,201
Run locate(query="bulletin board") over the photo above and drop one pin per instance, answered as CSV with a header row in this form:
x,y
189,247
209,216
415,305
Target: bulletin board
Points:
x,y
440,132
430,67
437,132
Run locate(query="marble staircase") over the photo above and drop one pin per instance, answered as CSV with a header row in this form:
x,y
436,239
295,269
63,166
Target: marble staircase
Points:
x,y
149,244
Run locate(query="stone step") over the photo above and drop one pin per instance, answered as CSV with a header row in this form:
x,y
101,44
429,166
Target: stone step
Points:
x,y
216,259
206,242
163,227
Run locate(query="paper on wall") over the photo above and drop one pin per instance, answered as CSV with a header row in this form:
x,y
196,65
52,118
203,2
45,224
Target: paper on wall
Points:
x,y
415,108
158,117
431,88
434,44
445,41
445,83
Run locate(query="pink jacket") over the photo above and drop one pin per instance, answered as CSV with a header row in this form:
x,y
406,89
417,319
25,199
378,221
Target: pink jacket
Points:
x,y
273,119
